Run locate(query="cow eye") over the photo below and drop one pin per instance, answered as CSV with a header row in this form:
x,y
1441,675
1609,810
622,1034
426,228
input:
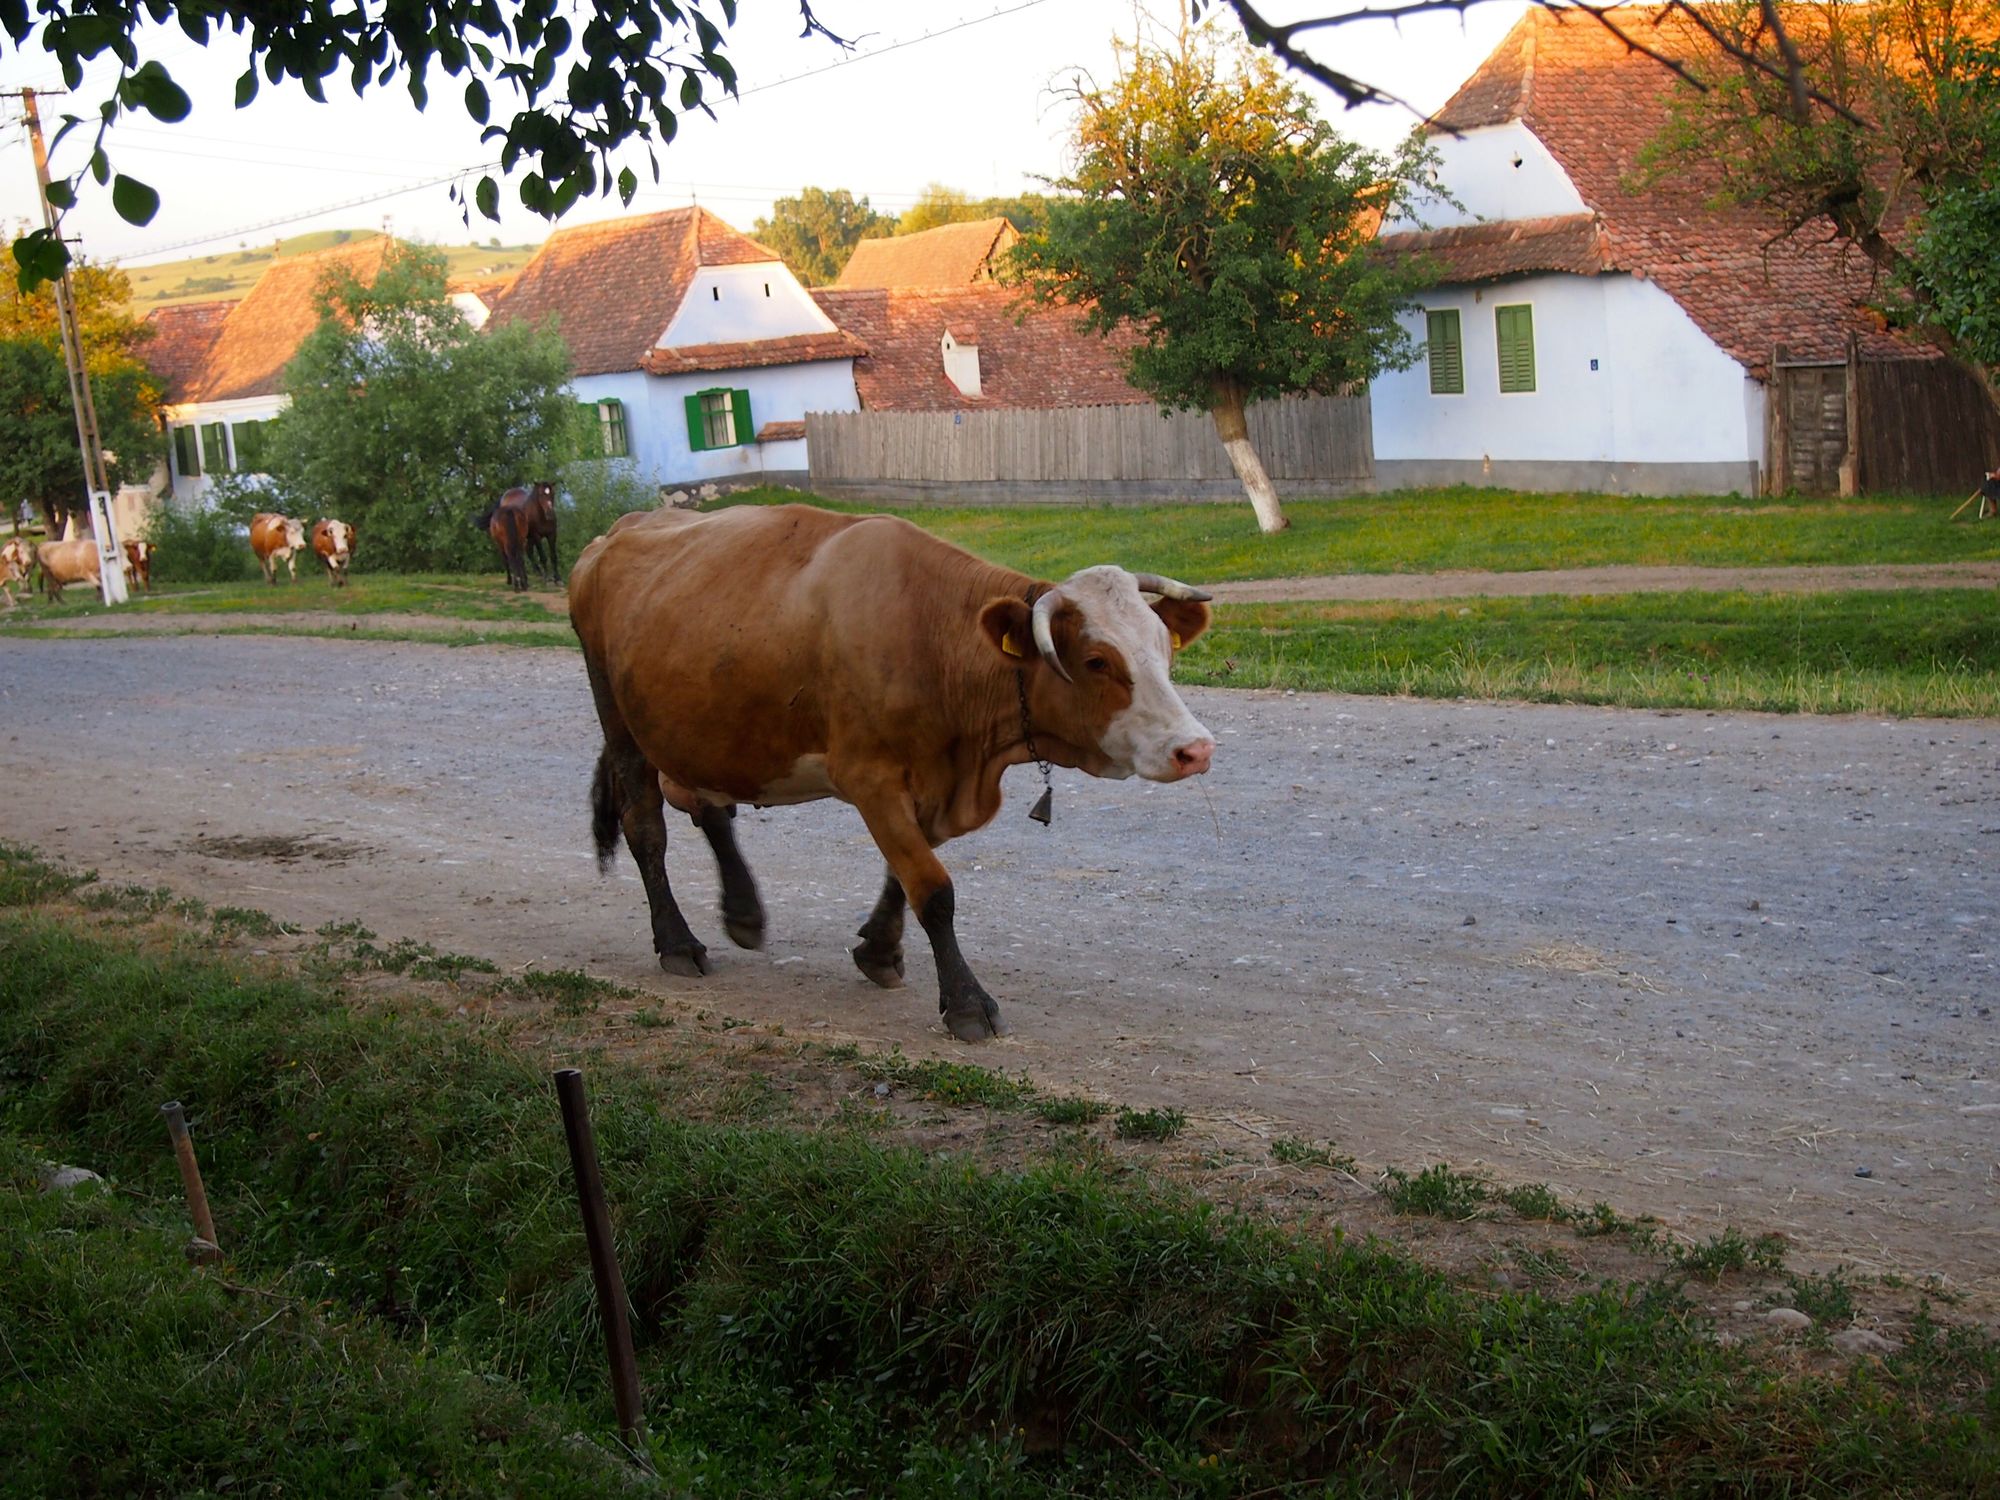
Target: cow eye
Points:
x,y
1097,664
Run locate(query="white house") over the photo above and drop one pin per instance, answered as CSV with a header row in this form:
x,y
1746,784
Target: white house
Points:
x,y
1588,332
700,350
224,363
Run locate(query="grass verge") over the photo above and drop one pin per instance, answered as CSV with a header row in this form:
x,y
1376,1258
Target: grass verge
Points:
x,y
819,1314
1904,653
1429,531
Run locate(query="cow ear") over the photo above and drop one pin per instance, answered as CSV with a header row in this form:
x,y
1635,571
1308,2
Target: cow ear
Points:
x,y
1185,619
1007,625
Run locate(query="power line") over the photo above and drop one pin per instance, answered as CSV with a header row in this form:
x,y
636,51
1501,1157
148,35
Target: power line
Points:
x,y
845,62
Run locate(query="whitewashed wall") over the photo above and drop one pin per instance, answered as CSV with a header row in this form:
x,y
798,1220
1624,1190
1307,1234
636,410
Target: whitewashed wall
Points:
x,y
1664,411
1496,172
200,414
656,417
734,304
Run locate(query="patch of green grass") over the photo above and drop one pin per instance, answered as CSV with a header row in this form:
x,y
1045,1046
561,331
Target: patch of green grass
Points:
x,y
573,992
1729,1251
816,1314
248,921
1428,531
1543,1267
1437,1191
947,1082
1536,1200
344,931
1907,652
1292,1152
1148,1124
1069,1109
418,960
1828,1298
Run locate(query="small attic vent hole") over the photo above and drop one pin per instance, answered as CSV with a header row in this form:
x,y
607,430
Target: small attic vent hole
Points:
x,y
767,289
1517,161
715,293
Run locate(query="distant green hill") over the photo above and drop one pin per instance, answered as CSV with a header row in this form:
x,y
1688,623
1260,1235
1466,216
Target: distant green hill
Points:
x,y
228,274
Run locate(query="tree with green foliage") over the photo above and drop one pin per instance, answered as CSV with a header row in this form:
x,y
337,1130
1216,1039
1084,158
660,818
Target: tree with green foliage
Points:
x,y
1215,215
583,82
39,457
1879,124
408,423
816,232
939,205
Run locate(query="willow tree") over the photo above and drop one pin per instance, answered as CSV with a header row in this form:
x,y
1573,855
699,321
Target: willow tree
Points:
x,y
1211,212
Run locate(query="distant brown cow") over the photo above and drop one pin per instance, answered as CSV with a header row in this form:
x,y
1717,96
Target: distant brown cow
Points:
x,y
64,563
782,654
333,544
277,539
139,564
16,563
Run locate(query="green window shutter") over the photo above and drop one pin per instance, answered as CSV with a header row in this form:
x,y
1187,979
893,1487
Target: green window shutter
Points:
x,y
611,418
187,452
249,439
697,430
1447,354
740,400
1515,331
215,447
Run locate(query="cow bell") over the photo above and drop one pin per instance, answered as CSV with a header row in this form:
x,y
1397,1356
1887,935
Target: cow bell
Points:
x,y
1043,812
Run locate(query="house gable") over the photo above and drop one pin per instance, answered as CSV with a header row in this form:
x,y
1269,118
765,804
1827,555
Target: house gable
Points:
x,y
263,331
1595,104
952,255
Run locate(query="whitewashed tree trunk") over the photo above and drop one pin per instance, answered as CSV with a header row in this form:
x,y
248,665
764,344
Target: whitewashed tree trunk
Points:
x,y
1234,430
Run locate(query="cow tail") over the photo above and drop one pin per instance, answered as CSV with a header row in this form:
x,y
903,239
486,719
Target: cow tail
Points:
x,y
604,811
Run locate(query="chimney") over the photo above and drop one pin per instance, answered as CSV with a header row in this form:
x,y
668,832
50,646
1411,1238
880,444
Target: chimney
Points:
x,y
961,362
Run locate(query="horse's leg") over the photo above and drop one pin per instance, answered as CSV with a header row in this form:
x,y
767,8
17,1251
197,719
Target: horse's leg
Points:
x,y
555,553
742,911
880,953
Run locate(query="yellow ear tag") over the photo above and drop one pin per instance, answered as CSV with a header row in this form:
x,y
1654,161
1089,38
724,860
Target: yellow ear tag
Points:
x,y
1007,643
1177,638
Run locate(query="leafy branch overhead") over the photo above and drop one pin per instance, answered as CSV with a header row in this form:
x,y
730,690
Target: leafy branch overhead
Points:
x,y
559,89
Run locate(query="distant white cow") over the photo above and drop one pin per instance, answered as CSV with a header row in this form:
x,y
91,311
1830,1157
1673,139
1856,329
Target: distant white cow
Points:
x,y
333,544
64,563
16,563
277,539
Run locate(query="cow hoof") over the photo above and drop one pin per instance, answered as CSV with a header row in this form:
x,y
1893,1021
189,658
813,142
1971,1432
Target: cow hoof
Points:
x,y
690,963
884,969
745,933
976,1025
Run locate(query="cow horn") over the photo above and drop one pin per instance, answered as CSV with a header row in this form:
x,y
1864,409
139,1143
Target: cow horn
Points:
x,y
1169,588
1045,635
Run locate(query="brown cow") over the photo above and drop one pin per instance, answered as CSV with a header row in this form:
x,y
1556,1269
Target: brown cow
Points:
x,y
277,539
333,544
16,563
64,563
139,564
773,655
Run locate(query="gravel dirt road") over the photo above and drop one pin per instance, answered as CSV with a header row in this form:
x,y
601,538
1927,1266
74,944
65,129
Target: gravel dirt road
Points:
x,y
1725,968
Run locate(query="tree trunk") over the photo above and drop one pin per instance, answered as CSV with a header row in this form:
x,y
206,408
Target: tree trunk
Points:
x,y
1234,431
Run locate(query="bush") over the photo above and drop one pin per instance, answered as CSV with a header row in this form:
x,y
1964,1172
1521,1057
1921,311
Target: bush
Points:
x,y
592,493
196,544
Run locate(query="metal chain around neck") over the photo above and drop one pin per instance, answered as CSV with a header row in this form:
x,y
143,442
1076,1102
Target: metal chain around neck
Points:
x,y
1043,810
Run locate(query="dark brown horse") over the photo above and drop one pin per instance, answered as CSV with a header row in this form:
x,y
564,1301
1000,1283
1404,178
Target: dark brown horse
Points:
x,y
519,520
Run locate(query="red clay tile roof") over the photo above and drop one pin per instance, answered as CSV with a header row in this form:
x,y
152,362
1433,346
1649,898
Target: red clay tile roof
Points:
x,y
1511,247
183,334
780,432
950,255
614,287
1045,361
263,331
753,354
1595,104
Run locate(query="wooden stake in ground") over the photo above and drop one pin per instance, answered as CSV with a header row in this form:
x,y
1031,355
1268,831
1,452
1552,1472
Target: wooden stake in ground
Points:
x,y
203,1249
603,1260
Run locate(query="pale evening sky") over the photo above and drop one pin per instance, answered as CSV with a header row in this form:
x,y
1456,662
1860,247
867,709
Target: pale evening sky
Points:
x,y
951,91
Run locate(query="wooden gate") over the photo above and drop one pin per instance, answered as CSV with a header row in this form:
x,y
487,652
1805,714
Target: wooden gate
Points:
x,y
1878,426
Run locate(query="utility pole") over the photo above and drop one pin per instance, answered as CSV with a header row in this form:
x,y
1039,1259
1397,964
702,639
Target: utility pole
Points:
x,y
110,555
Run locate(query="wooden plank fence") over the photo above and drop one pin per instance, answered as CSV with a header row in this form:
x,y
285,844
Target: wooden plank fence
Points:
x,y
1312,441
1879,426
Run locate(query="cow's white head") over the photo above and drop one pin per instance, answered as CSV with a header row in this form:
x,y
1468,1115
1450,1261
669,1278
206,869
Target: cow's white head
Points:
x,y
295,533
1097,654
340,537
